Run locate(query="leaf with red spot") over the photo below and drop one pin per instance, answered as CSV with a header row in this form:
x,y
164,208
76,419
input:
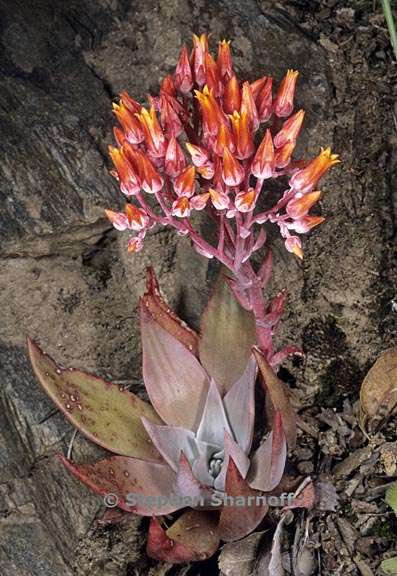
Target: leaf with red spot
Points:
x,y
237,521
166,317
103,412
278,394
142,487
227,335
194,536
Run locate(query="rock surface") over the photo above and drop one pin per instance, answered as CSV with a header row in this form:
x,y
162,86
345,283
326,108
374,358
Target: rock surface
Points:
x,y
66,279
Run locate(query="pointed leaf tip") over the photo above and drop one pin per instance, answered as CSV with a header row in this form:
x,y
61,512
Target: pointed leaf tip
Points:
x,y
239,520
164,316
104,413
227,335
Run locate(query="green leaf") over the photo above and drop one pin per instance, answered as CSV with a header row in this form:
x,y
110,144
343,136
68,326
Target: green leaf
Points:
x,y
390,566
227,336
107,415
391,497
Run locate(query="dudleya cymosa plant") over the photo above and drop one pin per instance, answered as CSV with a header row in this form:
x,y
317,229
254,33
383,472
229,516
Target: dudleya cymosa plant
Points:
x,y
193,439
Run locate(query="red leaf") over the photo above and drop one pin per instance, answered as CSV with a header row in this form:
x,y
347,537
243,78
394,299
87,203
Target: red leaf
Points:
x,y
176,382
125,477
238,521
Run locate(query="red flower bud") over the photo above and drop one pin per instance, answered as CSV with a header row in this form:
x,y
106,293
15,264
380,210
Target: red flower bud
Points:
x,y
233,173
284,101
174,161
183,77
263,164
290,130
185,183
232,96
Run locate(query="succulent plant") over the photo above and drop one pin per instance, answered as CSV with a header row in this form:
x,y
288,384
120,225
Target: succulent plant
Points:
x,y
194,439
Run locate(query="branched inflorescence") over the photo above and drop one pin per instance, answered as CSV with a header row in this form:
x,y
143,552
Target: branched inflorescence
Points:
x,y
209,142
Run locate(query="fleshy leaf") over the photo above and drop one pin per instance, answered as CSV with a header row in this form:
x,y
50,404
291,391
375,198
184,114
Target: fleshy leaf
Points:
x,y
237,521
186,484
125,477
268,462
175,381
213,422
100,410
194,536
170,441
166,317
239,404
279,397
227,335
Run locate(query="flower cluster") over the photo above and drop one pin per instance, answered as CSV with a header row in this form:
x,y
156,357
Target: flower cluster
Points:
x,y
211,142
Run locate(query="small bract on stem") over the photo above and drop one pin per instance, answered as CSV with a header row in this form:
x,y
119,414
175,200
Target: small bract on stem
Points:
x,y
210,142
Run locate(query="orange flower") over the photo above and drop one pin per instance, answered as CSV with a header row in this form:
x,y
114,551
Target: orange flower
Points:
x,y
220,200
181,207
306,223
130,182
248,105
224,140
154,136
174,161
212,78
137,219
152,182
132,105
264,101
294,245
233,173
212,114
232,96
168,86
185,183
282,156
284,101
224,60
131,126
242,135
135,244
263,164
199,155
290,130
299,207
245,201
305,180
